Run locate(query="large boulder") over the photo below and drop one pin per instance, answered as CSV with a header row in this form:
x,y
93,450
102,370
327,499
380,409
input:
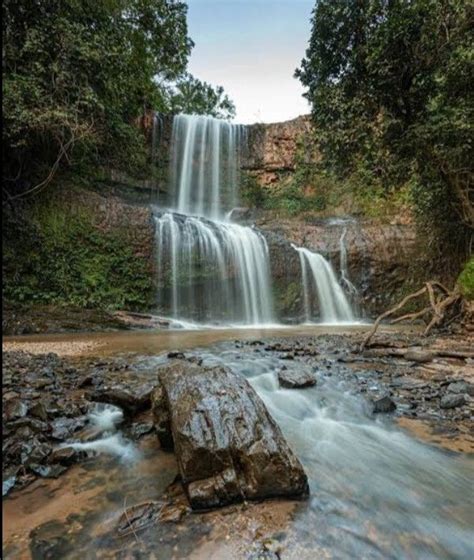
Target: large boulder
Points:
x,y
227,445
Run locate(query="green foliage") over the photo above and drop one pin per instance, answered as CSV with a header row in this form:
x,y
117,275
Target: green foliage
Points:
x,y
77,76
55,256
190,95
289,199
466,279
390,87
251,191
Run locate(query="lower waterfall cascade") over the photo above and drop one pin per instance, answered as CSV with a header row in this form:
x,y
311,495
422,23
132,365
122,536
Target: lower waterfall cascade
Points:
x,y
345,280
209,269
233,260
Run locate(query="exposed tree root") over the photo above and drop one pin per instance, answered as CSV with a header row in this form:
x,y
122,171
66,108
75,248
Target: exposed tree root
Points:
x,y
443,306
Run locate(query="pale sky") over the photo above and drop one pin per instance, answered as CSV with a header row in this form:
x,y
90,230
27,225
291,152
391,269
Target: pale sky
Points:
x,y
252,48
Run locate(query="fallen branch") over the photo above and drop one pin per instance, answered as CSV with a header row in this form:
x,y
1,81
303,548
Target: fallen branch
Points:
x,y
439,306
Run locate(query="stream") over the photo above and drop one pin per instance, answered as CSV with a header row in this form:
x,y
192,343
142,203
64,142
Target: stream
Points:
x,y
376,492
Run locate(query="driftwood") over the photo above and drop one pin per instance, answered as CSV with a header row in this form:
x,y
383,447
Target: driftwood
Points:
x,y
441,302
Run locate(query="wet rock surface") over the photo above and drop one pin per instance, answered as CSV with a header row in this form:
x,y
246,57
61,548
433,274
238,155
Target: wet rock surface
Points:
x,y
228,447
157,513
384,404
296,378
47,403
130,399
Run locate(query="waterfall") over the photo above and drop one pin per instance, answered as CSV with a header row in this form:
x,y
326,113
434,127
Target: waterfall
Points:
x,y
209,269
156,133
317,273
215,271
205,165
343,264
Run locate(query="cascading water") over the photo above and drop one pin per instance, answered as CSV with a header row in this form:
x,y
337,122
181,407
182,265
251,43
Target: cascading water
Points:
x,y
209,269
232,261
343,264
205,165
317,273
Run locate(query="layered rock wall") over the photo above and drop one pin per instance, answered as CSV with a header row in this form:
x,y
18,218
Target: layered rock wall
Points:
x,y
274,150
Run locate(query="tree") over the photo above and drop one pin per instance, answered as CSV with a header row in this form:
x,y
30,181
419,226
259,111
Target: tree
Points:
x,y
76,76
190,95
390,86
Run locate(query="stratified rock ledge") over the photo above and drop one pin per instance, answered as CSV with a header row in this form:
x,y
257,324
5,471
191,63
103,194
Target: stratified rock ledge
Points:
x,y
228,447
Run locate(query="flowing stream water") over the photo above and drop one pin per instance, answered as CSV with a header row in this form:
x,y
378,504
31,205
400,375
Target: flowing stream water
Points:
x,y
376,492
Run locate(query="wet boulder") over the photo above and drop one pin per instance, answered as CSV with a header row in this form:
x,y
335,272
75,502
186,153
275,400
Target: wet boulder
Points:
x,y
130,398
418,356
176,354
64,428
298,377
228,447
15,408
459,387
64,456
38,410
383,405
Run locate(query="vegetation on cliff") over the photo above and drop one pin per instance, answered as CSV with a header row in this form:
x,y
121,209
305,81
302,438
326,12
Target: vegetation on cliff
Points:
x,y
466,280
77,78
56,254
390,89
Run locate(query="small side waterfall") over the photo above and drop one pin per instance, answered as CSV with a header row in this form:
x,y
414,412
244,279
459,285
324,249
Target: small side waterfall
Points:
x,y
209,269
318,274
343,264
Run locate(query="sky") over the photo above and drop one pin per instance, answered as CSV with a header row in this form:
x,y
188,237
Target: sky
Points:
x,y
252,48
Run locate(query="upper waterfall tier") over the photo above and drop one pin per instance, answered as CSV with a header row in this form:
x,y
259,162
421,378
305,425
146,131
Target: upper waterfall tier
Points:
x,y
205,163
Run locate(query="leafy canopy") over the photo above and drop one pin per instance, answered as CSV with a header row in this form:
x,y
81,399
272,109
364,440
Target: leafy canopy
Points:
x,y
77,75
390,84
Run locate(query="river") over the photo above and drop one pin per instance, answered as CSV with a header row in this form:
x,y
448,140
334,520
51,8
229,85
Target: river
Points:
x,y
376,492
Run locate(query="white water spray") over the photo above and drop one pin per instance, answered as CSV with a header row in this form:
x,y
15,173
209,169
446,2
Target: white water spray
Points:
x,y
343,264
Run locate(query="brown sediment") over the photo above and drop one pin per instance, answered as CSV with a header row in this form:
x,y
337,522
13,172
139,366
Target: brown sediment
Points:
x,y
237,530
66,348
154,341
461,442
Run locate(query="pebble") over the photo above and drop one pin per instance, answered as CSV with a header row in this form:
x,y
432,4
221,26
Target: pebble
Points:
x,y
452,401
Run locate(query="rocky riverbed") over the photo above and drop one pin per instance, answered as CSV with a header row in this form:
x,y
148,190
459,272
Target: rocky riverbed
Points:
x,y
67,418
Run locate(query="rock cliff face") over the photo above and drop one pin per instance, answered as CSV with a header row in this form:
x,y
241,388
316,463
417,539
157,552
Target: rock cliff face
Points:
x,y
272,149
379,256
116,211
